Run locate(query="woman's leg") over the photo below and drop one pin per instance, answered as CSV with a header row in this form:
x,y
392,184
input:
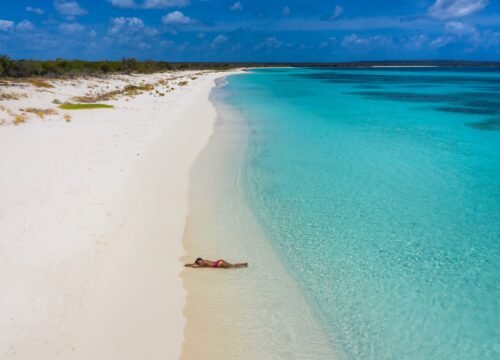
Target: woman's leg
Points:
x,y
240,265
224,264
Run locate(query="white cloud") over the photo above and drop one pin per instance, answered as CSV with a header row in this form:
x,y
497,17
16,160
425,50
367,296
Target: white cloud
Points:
x,y
354,41
69,8
286,11
455,31
447,9
118,25
123,3
162,4
25,25
130,25
416,42
490,39
37,11
269,43
440,42
219,40
460,29
149,4
237,6
6,25
472,35
381,41
71,28
131,32
176,18
337,12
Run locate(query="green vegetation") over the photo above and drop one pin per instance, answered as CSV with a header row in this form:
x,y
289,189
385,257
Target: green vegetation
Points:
x,y
84,106
61,67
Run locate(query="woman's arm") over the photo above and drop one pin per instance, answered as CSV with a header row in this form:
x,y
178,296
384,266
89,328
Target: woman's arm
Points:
x,y
192,265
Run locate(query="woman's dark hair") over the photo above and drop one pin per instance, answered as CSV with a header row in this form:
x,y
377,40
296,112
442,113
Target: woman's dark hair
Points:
x,y
196,261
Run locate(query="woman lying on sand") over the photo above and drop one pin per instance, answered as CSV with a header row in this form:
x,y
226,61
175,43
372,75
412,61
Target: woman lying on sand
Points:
x,y
201,263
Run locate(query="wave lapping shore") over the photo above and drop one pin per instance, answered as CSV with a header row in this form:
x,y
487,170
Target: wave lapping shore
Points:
x,y
255,313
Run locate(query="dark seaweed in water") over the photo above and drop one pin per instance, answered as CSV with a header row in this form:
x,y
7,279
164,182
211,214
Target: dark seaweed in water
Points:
x,y
483,103
369,87
407,96
487,125
467,110
411,77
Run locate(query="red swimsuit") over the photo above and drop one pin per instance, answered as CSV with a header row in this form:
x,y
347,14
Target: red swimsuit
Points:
x,y
216,264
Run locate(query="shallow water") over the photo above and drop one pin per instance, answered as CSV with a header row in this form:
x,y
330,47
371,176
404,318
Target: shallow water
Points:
x,y
257,312
379,191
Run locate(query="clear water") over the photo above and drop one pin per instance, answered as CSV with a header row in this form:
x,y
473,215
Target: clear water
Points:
x,y
380,192
258,312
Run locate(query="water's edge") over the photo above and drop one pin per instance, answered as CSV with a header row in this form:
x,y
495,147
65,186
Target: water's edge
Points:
x,y
257,312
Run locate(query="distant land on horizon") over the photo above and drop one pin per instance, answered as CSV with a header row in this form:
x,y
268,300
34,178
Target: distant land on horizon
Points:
x,y
18,68
364,63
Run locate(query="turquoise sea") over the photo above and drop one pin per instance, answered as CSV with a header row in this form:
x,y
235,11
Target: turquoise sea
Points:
x,y
379,189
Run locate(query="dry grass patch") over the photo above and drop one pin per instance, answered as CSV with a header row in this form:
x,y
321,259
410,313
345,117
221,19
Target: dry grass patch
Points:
x,y
39,83
128,90
19,119
137,89
91,98
183,83
41,112
11,96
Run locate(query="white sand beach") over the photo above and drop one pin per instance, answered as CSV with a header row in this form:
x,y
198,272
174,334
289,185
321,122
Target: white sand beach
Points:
x,y
92,213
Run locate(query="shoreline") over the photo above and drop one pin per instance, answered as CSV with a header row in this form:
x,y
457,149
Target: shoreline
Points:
x,y
248,313
93,219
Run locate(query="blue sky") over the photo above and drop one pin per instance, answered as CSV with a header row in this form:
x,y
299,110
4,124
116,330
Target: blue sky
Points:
x,y
251,30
